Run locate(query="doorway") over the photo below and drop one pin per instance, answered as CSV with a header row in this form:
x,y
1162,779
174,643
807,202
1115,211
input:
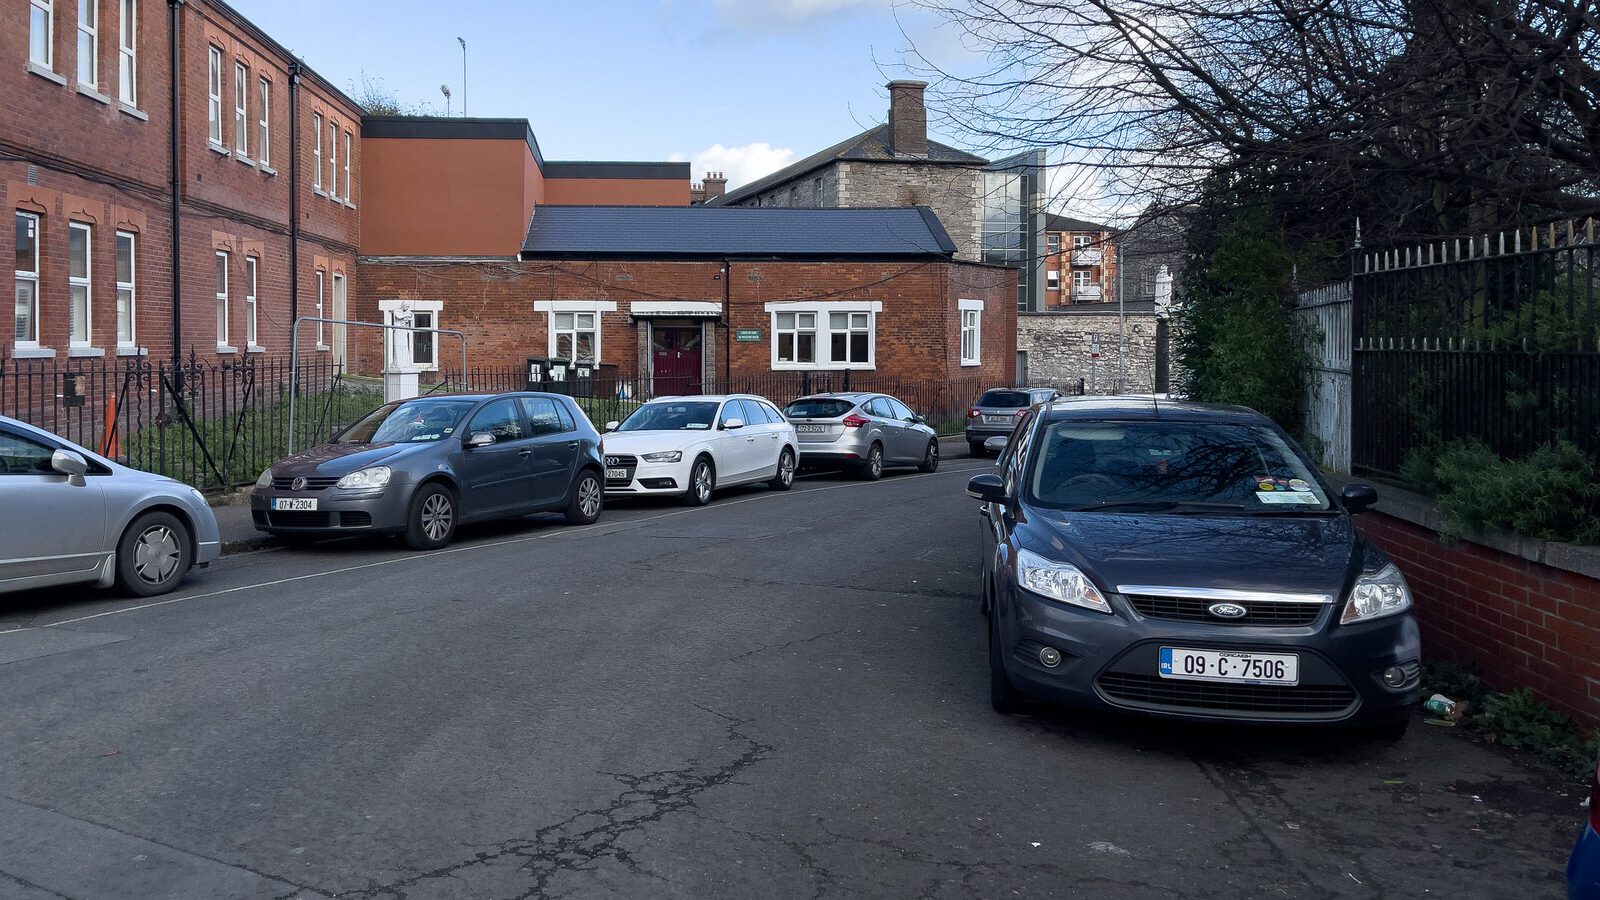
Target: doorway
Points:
x,y
1022,368
675,359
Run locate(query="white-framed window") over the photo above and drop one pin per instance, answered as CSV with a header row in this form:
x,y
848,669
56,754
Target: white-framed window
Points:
x,y
222,298
836,335
89,43
1053,242
264,136
333,161
575,328
340,311
128,52
214,96
80,283
1052,279
349,193
424,344
1082,241
322,278
27,269
42,33
127,289
316,152
241,110
251,265
971,331
1082,278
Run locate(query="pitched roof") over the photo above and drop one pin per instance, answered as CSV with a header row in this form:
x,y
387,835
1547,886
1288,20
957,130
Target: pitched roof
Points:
x,y
701,232
1053,222
872,145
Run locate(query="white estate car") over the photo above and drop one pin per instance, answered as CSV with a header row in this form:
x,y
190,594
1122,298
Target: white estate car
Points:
x,y
694,445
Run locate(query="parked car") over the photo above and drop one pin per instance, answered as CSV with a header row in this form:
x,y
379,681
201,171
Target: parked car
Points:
x,y
694,445
996,412
422,467
72,516
865,432
1583,870
1187,560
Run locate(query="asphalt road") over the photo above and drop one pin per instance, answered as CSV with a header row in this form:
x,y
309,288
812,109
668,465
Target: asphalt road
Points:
x,y
779,695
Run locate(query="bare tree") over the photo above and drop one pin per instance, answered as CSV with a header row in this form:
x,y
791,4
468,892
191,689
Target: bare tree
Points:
x,y
378,100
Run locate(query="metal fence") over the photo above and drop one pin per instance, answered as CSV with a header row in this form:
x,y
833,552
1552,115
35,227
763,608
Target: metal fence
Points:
x,y
1495,338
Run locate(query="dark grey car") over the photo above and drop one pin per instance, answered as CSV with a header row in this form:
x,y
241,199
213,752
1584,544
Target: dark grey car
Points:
x,y
996,412
421,467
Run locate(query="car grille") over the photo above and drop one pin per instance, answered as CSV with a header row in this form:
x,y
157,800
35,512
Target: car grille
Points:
x,y
1308,699
621,461
356,519
312,484
297,519
1257,612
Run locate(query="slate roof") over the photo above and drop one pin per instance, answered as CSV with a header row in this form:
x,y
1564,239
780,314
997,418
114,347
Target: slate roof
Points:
x,y
700,232
1053,222
871,145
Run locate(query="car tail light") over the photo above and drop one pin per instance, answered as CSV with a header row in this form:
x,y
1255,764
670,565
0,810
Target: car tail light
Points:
x,y
1594,800
973,413
855,421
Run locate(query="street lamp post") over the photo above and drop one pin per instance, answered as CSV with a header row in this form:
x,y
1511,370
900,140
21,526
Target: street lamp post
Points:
x,y
445,90
463,42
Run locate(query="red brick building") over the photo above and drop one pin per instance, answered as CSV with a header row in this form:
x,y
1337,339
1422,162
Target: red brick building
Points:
x,y
1080,264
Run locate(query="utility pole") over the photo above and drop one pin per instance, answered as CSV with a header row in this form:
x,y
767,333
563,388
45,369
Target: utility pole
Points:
x,y
463,42
1122,321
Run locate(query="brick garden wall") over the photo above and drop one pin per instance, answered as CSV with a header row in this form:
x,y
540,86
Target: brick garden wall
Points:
x,y
1522,623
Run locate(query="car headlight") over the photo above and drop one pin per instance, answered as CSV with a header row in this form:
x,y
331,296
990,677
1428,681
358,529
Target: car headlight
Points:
x,y
1059,581
1381,593
375,477
265,480
667,456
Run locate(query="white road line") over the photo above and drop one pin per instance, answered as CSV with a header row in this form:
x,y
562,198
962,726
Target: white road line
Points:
x,y
598,526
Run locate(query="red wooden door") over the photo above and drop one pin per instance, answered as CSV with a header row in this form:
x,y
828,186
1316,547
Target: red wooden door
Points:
x,y
676,354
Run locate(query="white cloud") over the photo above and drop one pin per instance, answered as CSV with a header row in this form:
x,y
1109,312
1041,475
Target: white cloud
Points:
x,y
769,15
742,164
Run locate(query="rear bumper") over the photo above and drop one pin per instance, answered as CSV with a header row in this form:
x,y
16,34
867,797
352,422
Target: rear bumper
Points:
x,y
384,511
977,434
848,449
1583,870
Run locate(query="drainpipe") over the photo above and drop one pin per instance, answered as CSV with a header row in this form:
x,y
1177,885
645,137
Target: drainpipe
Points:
x,y
294,193
173,7
727,324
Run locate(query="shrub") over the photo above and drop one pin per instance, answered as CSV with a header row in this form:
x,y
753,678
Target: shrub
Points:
x,y
1552,494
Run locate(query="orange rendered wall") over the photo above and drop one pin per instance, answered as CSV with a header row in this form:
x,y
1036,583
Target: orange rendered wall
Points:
x,y
616,192
429,197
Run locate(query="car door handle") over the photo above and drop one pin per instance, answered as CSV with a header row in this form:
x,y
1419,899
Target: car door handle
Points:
x,y
983,511
572,445
525,451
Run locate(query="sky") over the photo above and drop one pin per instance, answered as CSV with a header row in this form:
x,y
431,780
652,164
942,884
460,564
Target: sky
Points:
x,y
739,86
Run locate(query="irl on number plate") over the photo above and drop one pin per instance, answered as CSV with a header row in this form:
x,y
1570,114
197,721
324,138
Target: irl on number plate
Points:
x,y
295,504
1230,665
617,474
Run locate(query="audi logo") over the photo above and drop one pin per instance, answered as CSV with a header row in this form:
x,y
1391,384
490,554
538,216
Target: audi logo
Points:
x,y
613,461
1227,610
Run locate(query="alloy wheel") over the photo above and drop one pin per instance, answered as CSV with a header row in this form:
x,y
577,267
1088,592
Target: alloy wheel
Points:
x,y
786,469
156,555
589,497
702,482
875,462
437,514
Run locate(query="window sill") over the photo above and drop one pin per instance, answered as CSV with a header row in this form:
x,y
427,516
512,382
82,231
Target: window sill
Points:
x,y
86,351
254,349
971,362
129,350
822,367
349,205
319,192
268,170
224,348
323,348
46,74
133,111
32,353
218,149
244,159
93,94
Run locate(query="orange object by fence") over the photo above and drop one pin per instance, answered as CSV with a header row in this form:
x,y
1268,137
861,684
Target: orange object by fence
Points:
x,y
110,445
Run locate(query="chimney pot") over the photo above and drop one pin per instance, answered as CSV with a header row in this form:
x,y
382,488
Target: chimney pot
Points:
x,y
908,119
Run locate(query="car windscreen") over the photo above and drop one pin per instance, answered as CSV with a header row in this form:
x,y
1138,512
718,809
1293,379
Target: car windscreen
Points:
x,y
1008,399
1160,465
668,415
818,408
408,422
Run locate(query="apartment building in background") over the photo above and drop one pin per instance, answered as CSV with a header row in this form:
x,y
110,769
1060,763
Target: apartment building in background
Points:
x,y
1080,263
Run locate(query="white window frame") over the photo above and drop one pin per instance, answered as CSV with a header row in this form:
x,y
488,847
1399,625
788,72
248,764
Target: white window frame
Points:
x,y
597,307
341,310
252,268
804,322
430,308
1082,278
214,96
1082,241
89,28
1052,279
322,280
333,160
241,110
849,331
84,281
223,313
347,182
128,291
1053,243
824,333
128,52
971,327
316,153
264,136
48,7
32,277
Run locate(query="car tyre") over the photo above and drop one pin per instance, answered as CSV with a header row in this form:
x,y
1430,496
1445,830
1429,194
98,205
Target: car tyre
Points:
x,y
976,449
930,459
153,554
588,499
1003,695
785,477
432,517
702,483
872,468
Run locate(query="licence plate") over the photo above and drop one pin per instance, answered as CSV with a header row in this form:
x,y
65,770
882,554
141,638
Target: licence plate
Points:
x,y
998,420
295,504
810,429
1230,665
618,475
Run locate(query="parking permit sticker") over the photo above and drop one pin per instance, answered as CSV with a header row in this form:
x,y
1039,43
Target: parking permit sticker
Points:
x,y
1297,497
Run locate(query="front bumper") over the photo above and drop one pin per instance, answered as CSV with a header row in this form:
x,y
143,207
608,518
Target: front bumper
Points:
x,y
1583,870
337,512
647,478
1111,662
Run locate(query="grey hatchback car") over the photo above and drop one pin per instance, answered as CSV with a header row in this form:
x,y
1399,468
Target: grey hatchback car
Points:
x,y
997,411
863,431
421,467
71,516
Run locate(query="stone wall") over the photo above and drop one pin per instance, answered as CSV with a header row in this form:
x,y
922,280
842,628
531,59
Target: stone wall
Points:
x,y
1059,347
953,193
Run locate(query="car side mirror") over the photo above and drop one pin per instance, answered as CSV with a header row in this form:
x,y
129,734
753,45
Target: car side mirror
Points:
x,y
1358,497
987,487
997,444
918,418
732,424
479,439
71,464
613,425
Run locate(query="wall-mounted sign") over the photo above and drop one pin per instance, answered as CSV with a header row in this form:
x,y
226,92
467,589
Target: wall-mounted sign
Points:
x,y
747,335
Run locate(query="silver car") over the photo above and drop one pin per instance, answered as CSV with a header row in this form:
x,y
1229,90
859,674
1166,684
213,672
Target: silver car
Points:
x,y
864,432
70,516
995,413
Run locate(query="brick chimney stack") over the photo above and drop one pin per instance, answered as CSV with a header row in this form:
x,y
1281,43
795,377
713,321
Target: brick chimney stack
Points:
x,y
908,119
716,184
